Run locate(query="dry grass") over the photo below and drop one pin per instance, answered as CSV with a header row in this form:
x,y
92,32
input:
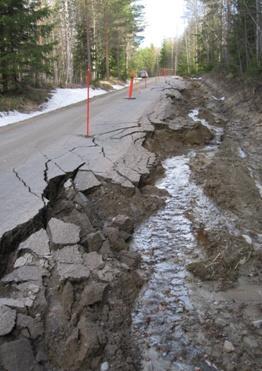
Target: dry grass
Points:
x,y
24,100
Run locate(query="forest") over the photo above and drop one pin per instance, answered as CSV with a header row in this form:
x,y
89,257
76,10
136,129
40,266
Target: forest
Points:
x,y
52,41
220,35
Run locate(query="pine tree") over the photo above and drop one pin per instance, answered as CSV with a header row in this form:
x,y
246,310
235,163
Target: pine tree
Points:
x,y
23,49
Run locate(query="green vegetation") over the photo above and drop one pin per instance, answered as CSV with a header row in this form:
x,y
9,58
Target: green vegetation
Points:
x,y
23,44
146,59
52,42
223,35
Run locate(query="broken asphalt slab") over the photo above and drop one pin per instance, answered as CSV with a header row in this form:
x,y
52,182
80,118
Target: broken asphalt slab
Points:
x,y
48,147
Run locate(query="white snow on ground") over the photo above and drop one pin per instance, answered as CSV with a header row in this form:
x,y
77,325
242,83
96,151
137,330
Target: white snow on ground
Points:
x,y
219,99
241,153
60,98
257,183
119,87
259,187
177,77
247,238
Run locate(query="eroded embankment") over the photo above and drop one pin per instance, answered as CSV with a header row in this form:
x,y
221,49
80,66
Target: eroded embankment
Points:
x,y
70,280
211,320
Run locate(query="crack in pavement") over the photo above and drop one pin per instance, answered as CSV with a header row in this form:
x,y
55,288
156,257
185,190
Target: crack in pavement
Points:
x,y
160,122
126,135
122,175
74,148
119,129
55,163
46,171
24,183
79,156
140,138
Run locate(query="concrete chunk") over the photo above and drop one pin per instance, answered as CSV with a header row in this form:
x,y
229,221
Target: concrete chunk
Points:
x,y
69,255
17,303
73,272
86,181
124,223
107,274
22,274
18,356
37,243
95,241
228,347
93,261
92,294
63,233
7,320
35,327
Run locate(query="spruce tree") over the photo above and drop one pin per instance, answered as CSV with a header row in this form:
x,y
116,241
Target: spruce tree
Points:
x,y
23,46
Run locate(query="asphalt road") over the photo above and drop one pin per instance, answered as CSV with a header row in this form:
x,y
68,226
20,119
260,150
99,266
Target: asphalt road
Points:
x,y
34,151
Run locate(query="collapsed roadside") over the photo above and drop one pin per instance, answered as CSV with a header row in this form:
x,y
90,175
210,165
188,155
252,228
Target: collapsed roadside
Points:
x,y
69,287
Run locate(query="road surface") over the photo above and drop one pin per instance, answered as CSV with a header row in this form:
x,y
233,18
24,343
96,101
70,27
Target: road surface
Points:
x,y
36,150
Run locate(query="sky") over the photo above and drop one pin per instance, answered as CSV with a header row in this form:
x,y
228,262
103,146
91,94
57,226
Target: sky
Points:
x,y
163,20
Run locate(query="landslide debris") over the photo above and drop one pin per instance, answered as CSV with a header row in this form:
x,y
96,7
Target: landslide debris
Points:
x,y
67,292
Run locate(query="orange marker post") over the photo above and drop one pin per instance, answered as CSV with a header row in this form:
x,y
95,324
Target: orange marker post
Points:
x,y
131,87
88,81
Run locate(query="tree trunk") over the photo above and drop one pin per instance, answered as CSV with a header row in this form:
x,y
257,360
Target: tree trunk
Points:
x,y
107,51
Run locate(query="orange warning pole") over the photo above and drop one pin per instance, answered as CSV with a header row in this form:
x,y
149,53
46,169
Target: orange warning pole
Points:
x,y
88,81
131,87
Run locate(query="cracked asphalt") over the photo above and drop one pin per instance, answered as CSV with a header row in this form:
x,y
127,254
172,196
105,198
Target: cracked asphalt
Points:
x,y
36,150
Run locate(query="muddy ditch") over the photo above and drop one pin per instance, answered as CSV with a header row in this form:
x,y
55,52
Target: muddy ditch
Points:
x,y
210,319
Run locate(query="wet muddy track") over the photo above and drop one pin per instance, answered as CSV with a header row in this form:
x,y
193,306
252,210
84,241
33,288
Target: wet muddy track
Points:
x,y
179,321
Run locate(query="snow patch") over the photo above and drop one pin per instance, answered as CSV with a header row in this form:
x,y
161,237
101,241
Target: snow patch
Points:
x,y
241,153
177,77
60,98
257,183
218,99
119,87
247,238
259,187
